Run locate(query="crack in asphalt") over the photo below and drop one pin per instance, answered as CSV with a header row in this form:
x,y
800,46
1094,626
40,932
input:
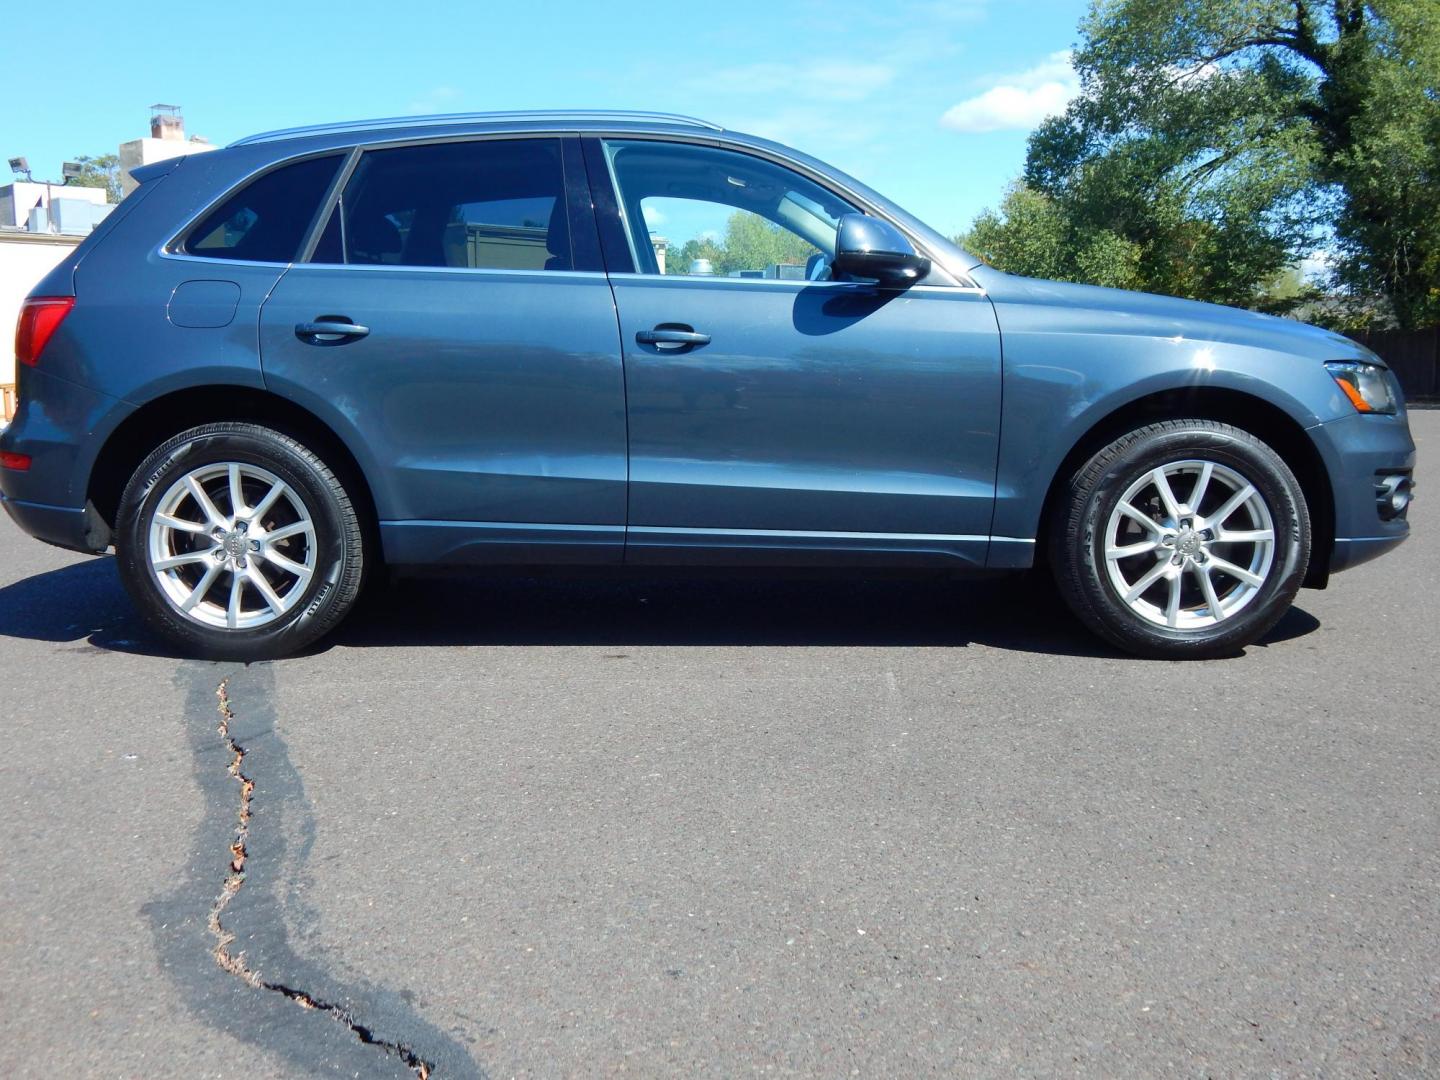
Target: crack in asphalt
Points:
x,y
234,962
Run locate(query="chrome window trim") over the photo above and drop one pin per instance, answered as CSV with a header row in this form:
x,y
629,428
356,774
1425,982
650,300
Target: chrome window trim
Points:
x,y
960,279
299,267
478,136
493,271
180,256
619,200
327,206
358,152
351,154
695,280
173,247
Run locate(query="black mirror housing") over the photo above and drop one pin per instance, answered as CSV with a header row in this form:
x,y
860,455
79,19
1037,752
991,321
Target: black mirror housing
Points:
x,y
869,247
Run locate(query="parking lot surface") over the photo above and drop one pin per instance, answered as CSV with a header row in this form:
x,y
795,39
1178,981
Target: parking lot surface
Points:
x,y
717,828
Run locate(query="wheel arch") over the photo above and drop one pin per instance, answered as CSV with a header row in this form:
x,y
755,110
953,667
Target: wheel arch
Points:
x,y
159,419
1266,421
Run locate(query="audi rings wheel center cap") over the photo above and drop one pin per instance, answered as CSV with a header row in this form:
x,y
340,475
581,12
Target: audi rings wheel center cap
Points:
x,y
1188,543
235,544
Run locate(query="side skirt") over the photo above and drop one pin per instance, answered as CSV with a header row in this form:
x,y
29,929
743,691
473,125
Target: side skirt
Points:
x,y
467,543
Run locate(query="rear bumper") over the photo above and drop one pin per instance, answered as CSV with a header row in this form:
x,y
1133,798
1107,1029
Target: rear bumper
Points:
x,y
76,528
60,426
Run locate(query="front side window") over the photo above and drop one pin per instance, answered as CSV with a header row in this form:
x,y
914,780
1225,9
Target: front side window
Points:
x,y
702,211
266,220
496,204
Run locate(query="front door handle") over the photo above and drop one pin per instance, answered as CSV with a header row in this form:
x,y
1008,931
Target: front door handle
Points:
x,y
329,331
672,338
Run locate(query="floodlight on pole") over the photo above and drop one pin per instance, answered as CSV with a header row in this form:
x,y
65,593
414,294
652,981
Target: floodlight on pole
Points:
x,y
20,165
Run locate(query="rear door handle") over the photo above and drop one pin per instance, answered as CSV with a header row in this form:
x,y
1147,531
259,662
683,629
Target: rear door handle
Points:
x,y
329,331
675,336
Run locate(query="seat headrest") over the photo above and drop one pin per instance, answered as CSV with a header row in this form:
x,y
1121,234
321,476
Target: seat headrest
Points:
x,y
371,237
557,236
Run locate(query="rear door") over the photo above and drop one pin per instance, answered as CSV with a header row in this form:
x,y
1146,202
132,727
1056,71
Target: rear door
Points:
x,y
454,324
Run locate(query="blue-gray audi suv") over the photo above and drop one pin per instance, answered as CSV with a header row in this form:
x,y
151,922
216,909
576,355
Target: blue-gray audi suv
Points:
x,y
630,338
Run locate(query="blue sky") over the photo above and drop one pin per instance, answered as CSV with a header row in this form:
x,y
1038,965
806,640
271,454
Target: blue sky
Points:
x,y
928,101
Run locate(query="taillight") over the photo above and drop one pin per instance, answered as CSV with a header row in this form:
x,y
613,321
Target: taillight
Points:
x,y
40,317
9,459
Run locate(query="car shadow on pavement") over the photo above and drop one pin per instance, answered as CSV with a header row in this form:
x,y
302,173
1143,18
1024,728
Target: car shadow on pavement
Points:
x,y
84,602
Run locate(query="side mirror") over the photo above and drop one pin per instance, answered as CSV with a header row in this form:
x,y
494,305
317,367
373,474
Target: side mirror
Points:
x,y
868,247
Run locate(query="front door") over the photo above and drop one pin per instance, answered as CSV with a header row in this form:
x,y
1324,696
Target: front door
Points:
x,y
774,410
455,325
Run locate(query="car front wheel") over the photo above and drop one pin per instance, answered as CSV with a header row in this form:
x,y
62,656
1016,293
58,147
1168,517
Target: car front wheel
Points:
x,y
1182,539
237,542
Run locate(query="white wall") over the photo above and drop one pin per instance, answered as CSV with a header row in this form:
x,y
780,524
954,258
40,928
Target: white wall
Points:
x,y
139,152
24,259
17,199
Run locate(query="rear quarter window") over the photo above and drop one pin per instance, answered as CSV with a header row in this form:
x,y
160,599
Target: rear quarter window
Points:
x,y
266,220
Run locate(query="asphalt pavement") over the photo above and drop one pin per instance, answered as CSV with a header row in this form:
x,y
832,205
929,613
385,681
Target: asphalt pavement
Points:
x,y
682,826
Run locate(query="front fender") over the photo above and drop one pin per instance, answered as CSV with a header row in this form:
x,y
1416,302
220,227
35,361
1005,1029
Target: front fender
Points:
x,y
1067,369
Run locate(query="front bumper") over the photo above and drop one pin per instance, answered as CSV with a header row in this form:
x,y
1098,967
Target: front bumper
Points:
x,y
1357,450
1354,550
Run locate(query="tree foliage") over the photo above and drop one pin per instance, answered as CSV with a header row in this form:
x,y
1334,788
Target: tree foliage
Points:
x,y
1216,142
750,243
100,172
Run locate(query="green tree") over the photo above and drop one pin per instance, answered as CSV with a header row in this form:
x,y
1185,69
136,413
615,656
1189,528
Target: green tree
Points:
x,y
750,243
678,259
753,243
1214,142
99,172
1029,235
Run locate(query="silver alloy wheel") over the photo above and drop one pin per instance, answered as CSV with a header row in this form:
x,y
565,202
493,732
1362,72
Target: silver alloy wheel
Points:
x,y
1191,562
232,546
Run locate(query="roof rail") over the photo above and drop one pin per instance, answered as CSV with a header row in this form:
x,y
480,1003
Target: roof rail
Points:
x,y
558,115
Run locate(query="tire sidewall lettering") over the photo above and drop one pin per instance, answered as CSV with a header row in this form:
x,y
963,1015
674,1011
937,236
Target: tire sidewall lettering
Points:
x,y
278,455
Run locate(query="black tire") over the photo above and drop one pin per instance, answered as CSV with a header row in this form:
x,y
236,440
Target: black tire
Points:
x,y
1083,517
339,558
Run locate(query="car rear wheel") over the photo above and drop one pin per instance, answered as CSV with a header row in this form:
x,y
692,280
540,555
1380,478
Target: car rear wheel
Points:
x,y
238,542
1182,539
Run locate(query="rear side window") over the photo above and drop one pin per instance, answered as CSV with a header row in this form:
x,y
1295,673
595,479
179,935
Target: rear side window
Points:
x,y
495,204
266,220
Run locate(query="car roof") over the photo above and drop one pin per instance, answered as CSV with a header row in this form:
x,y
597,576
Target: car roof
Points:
x,y
403,126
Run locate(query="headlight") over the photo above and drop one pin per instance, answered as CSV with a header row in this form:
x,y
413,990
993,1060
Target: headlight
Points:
x,y
1364,384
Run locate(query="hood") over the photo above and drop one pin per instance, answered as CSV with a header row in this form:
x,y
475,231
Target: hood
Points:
x,y
1117,311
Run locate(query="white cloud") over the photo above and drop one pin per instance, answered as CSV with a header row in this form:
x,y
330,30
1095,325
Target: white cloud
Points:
x,y
809,126
1190,74
1008,108
437,100
1317,266
653,217
822,80
1017,102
